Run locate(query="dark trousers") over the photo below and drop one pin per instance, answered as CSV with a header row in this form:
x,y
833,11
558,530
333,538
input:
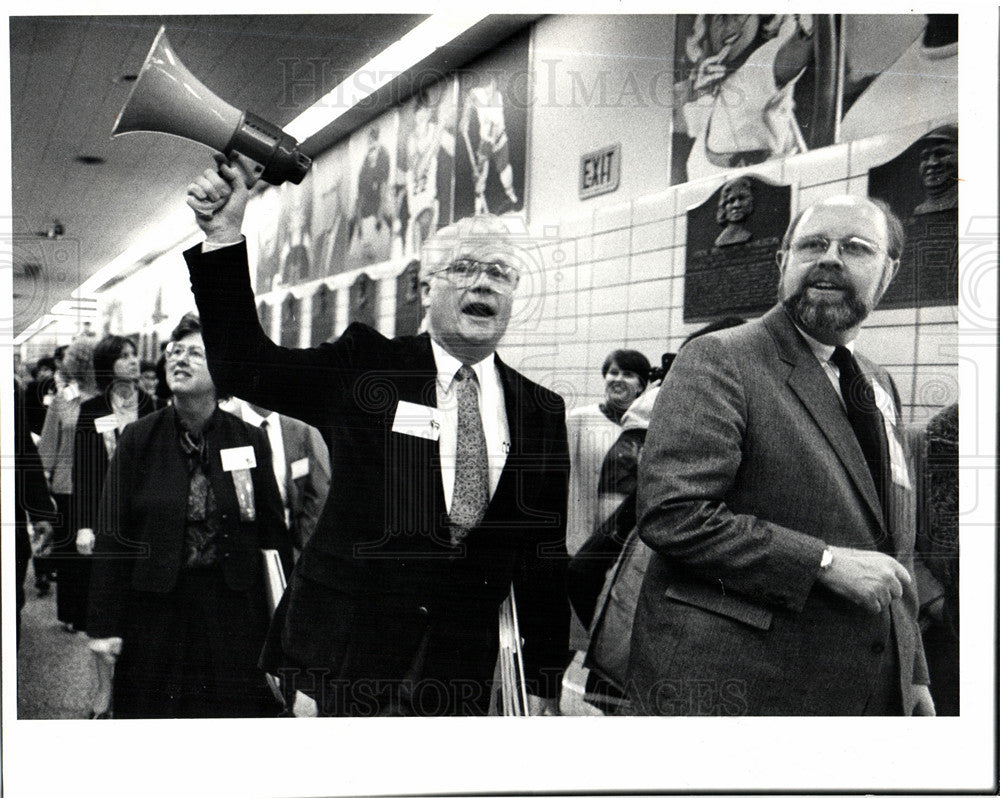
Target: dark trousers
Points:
x,y
22,555
73,585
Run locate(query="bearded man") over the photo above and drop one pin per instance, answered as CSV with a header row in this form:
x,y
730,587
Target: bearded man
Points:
x,y
774,491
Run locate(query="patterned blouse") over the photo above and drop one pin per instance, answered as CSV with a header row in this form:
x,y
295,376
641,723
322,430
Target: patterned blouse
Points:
x,y
202,524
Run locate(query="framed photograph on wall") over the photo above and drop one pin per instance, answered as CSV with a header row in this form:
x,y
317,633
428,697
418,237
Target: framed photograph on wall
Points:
x,y
493,99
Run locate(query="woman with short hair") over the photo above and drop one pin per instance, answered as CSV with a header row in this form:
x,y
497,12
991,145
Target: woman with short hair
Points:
x,y
177,600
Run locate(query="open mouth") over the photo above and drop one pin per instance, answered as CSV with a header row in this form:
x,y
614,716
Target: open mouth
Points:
x,y
479,310
826,285
826,280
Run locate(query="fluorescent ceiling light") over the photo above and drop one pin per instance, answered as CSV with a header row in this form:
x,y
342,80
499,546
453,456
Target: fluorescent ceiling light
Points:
x,y
434,32
34,328
162,238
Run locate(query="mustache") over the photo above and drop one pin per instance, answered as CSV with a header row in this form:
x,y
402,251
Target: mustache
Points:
x,y
818,315
819,275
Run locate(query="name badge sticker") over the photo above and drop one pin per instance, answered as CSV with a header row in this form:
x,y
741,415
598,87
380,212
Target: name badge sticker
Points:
x,y
884,403
897,458
239,458
300,468
420,421
107,423
243,483
70,392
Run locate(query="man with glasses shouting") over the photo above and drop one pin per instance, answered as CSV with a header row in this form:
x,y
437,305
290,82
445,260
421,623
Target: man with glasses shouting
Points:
x,y
449,478
774,491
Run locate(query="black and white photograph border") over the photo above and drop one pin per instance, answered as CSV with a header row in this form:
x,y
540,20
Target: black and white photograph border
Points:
x,y
581,755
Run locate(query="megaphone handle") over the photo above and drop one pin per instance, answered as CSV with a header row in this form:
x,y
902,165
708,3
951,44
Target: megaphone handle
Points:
x,y
241,162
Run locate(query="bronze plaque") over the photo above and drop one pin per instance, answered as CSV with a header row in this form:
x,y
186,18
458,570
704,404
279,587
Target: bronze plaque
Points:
x,y
921,187
364,301
409,311
732,238
324,315
291,311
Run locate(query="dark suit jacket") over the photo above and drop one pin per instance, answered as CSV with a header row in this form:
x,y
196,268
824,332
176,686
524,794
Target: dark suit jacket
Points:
x,y
140,529
750,468
379,577
90,459
306,493
31,493
34,406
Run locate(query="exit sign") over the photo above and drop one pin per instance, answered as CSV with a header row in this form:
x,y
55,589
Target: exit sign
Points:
x,y
600,171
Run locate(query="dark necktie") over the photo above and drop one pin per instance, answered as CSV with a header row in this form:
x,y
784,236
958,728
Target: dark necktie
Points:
x,y
472,491
864,415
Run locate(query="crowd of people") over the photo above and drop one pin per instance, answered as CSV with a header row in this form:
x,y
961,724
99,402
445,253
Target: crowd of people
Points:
x,y
745,529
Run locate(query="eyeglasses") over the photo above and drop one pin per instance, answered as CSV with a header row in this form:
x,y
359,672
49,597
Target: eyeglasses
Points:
x,y
175,351
466,271
851,249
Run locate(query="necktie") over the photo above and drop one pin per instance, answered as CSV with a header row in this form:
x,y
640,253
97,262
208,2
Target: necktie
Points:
x,y
278,468
862,412
471,493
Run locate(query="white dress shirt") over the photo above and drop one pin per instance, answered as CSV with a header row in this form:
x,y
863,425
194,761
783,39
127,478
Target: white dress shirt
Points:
x,y
491,410
208,246
823,353
252,417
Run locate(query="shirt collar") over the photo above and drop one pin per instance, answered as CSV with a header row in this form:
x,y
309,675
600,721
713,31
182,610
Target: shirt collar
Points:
x,y
823,352
251,416
447,364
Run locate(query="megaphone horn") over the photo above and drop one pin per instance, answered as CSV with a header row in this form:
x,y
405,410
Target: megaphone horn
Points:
x,y
167,98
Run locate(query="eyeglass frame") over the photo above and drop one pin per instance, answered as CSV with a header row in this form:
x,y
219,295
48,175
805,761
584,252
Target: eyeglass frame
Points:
x,y
505,276
871,250
176,350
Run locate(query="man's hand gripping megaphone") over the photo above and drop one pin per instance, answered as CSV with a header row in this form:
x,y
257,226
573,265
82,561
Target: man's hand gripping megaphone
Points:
x,y
219,196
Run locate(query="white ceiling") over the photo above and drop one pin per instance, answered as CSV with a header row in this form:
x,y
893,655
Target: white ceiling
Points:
x,y
67,88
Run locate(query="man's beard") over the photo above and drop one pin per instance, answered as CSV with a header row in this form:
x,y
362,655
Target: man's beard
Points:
x,y
824,315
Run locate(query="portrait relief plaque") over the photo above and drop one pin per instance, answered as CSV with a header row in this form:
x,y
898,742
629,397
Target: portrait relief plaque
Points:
x,y
921,186
732,238
409,311
324,314
363,301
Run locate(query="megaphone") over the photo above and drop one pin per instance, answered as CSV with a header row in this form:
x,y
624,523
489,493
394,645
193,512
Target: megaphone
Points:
x,y
167,98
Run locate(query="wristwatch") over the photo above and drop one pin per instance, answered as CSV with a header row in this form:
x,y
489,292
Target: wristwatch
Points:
x,y
827,560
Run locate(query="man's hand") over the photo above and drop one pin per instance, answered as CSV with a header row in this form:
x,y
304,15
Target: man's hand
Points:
x,y
925,704
219,197
543,706
85,540
870,579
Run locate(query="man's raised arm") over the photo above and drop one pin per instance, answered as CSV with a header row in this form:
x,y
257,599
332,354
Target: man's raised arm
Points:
x,y
303,383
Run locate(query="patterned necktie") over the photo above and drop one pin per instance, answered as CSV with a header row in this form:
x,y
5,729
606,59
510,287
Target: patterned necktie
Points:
x,y
471,493
863,413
